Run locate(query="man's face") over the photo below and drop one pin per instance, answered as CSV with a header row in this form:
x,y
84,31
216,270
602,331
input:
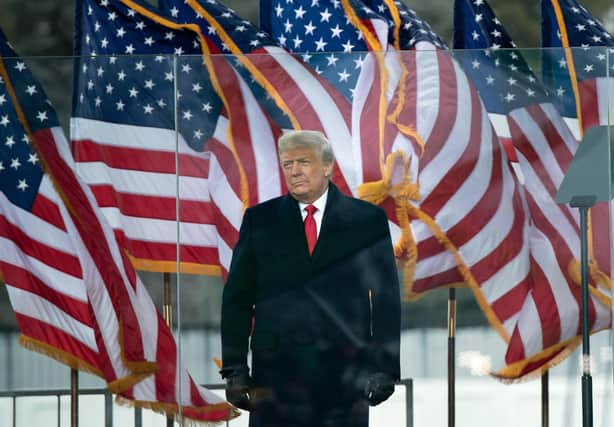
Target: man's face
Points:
x,y
305,173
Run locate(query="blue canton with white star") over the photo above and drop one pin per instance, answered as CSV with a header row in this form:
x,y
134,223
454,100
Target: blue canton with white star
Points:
x,y
413,29
20,169
313,27
502,77
247,37
126,73
594,51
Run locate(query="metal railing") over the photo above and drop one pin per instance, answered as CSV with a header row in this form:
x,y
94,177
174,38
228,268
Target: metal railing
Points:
x,y
138,420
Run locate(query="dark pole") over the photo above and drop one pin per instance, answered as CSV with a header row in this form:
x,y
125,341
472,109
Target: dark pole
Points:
x,y
583,203
545,400
451,357
168,318
74,398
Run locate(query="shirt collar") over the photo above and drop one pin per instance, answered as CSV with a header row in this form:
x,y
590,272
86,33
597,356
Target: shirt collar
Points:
x,y
320,203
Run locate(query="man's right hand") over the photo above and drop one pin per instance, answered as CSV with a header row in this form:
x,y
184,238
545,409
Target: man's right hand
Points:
x,y
238,384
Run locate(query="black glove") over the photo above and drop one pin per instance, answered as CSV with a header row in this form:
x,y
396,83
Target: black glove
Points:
x,y
238,384
380,387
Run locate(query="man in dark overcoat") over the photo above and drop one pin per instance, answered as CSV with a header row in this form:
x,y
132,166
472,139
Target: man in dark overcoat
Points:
x,y
313,290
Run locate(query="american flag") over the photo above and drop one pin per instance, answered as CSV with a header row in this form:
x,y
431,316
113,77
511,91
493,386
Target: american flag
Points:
x,y
544,318
468,223
75,294
138,160
588,66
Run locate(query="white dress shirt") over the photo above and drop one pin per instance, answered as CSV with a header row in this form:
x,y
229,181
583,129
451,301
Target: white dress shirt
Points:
x,y
320,204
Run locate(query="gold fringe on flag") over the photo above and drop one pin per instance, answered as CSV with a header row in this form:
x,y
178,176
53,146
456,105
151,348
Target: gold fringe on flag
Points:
x,y
172,409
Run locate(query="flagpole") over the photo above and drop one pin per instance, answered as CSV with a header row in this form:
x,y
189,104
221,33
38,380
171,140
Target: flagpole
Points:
x,y
451,356
583,204
74,398
545,399
168,318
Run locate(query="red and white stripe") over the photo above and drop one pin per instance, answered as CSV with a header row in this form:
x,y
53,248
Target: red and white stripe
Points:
x,y
466,187
118,299
597,101
131,171
551,313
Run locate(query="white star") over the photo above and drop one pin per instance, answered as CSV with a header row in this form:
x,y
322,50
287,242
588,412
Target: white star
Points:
x,y
299,13
254,43
601,57
530,92
358,61
133,92
120,32
31,90
15,163
562,63
10,141
161,103
140,25
589,67
139,66
112,16
187,115
332,59
168,76
198,134
297,42
109,88
2,99
179,50
320,44
149,84
147,109
20,66
475,64
169,36
325,16
112,59
186,68
478,2
121,75
196,87
97,101
207,107
129,49
42,116
119,105
475,35
343,76
174,12
288,26
490,80
1,166
149,41
306,57
279,10
4,121
22,185
478,17
511,81
33,158
347,47
560,91
336,31
309,28
241,28
510,97
496,33
581,27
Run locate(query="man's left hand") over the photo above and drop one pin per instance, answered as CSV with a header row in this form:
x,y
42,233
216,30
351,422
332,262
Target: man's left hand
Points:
x,y
380,387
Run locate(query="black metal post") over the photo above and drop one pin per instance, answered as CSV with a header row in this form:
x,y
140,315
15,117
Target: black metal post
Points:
x,y
74,398
545,400
451,357
583,204
168,318
108,409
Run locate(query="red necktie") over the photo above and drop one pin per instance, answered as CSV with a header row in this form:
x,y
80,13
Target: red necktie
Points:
x,y
310,228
